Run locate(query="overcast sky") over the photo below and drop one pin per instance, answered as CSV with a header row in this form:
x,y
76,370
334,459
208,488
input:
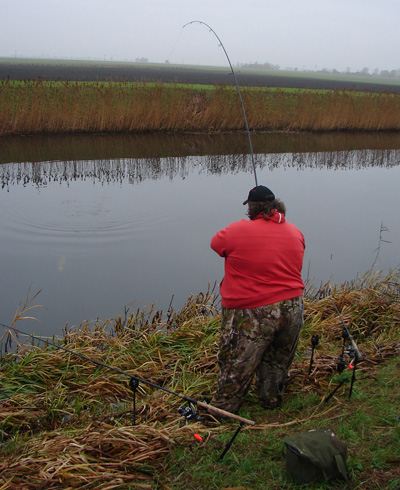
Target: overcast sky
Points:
x,y
310,34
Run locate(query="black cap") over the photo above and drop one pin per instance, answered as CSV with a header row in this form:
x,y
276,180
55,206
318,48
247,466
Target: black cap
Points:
x,y
260,194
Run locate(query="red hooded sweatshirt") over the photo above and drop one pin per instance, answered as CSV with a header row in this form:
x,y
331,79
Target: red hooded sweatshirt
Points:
x,y
263,261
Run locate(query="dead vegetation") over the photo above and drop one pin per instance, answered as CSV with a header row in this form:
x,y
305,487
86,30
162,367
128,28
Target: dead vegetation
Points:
x,y
68,423
40,107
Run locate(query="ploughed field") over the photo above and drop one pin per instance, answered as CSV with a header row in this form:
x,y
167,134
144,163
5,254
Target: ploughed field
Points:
x,y
90,71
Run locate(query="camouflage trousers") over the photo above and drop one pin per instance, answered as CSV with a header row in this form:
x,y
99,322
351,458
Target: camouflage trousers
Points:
x,y
259,341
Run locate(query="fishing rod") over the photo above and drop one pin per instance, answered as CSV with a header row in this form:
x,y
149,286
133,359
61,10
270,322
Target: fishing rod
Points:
x,y
238,90
135,380
347,333
351,350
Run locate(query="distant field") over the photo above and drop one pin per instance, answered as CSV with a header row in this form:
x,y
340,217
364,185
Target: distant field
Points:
x,y
51,70
49,97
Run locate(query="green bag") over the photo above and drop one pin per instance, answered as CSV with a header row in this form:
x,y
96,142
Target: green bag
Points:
x,y
315,455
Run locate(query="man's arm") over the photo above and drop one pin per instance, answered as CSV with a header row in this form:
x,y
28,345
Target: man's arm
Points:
x,y
218,243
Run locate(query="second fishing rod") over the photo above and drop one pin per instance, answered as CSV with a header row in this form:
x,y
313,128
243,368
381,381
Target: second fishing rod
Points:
x,y
134,381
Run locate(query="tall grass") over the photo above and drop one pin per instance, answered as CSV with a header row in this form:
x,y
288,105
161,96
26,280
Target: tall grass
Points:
x,y
66,423
66,107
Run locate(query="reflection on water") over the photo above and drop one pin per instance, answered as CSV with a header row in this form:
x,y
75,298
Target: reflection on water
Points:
x,y
99,236
19,149
137,170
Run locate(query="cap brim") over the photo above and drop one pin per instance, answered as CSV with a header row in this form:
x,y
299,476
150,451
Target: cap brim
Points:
x,y
246,201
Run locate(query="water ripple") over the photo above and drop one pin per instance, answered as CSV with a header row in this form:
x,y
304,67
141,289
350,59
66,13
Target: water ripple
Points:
x,y
70,222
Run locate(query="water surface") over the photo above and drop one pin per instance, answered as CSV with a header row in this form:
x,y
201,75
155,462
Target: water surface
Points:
x,y
101,236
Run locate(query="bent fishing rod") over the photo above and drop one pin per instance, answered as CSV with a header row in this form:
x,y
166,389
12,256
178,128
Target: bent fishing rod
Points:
x,y
135,380
237,87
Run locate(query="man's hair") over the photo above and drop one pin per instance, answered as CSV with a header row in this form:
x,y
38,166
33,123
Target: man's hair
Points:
x,y
266,208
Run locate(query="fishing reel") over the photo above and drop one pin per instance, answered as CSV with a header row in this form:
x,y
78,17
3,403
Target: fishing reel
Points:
x,y
189,413
342,364
351,352
347,350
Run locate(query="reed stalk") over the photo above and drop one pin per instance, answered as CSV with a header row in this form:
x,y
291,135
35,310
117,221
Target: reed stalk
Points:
x,y
89,107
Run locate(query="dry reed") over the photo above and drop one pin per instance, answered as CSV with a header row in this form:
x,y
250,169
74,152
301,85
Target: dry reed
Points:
x,y
87,107
67,423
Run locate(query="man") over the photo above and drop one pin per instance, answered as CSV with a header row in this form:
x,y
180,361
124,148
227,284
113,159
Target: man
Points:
x,y
262,305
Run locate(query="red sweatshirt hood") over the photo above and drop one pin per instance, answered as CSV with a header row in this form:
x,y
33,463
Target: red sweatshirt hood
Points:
x,y
277,217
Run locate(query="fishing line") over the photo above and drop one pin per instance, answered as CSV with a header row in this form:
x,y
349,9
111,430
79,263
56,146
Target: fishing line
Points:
x,y
174,46
237,87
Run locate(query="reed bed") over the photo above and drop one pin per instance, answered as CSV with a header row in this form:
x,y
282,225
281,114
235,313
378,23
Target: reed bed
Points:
x,y
67,423
31,107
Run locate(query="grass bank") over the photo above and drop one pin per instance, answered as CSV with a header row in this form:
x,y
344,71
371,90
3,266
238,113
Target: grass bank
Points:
x,y
67,423
31,107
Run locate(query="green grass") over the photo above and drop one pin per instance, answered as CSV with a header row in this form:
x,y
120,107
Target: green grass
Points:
x,y
367,422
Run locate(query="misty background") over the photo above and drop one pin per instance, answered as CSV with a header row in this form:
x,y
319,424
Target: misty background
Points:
x,y
342,35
